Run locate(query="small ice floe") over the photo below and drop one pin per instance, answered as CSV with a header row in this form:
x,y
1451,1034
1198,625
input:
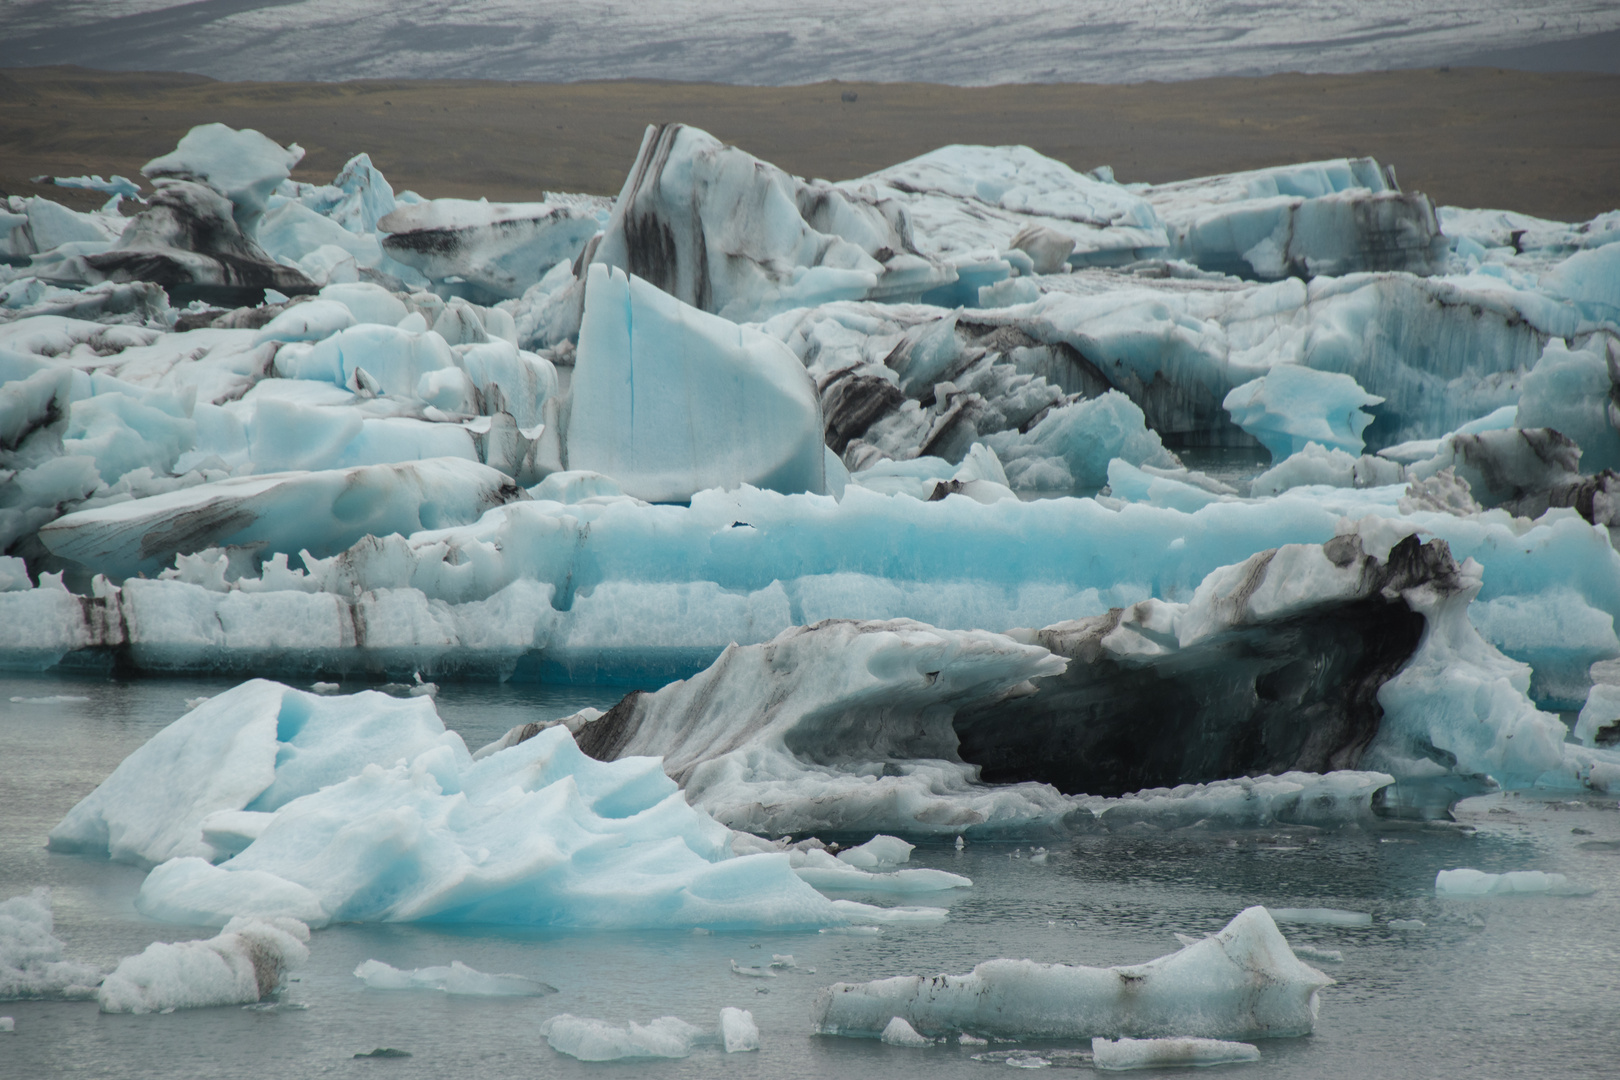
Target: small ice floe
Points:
x,y
1241,983
384,1052
960,843
971,1040
1311,952
879,853
1038,1059
783,960
244,963
7,1024
457,979
853,931
1039,855
1403,924
424,689
1120,1054
1320,916
325,687
33,961
51,699
666,1037
760,972
1470,884
900,1033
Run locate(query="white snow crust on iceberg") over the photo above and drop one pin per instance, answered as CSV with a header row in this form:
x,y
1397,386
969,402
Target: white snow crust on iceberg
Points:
x,y
244,963
33,961
1241,983
1121,1054
669,400
303,793
454,978
666,1037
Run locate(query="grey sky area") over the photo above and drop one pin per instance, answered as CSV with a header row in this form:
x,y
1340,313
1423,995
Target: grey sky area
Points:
x,y
772,42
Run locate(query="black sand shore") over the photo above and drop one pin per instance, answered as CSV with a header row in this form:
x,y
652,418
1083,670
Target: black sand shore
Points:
x,y
1547,144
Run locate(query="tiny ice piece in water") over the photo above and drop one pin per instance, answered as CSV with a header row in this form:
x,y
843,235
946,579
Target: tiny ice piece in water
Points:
x,y
1158,1053
458,978
1320,916
1405,924
1311,952
738,1032
7,1024
900,1033
753,972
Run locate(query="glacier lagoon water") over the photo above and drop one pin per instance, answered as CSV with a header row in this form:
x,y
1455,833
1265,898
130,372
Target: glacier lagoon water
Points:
x,y
1514,987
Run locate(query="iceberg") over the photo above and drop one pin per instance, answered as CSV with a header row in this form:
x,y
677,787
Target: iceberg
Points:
x,y
1242,983
456,978
726,233
1467,884
497,249
363,808
244,963
666,1037
244,166
33,963
669,400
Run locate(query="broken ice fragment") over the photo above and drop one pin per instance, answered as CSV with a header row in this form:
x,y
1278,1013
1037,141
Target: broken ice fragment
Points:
x,y
1121,1054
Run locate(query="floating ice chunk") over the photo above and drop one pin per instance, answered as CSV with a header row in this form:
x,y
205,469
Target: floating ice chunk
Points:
x,y
1080,438
759,972
244,166
1241,983
1313,952
880,852
1475,884
244,963
32,964
738,1032
49,699
257,746
457,978
1291,406
1407,924
498,248
118,185
1119,1054
597,1040
1320,916
826,872
669,400
311,321
443,839
853,931
1315,464
322,512
900,1033
8,1024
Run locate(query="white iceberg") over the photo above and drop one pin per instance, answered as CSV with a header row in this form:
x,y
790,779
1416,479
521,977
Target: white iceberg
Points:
x,y
1475,884
1241,983
33,963
244,963
455,978
666,1037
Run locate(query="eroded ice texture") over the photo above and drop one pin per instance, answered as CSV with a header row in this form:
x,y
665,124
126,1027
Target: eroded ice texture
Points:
x,y
1241,983
244,963
33,961
455,978
670,400
1121,1054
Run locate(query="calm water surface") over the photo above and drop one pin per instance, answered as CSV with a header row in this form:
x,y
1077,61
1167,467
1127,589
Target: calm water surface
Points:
x,y
1507,988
